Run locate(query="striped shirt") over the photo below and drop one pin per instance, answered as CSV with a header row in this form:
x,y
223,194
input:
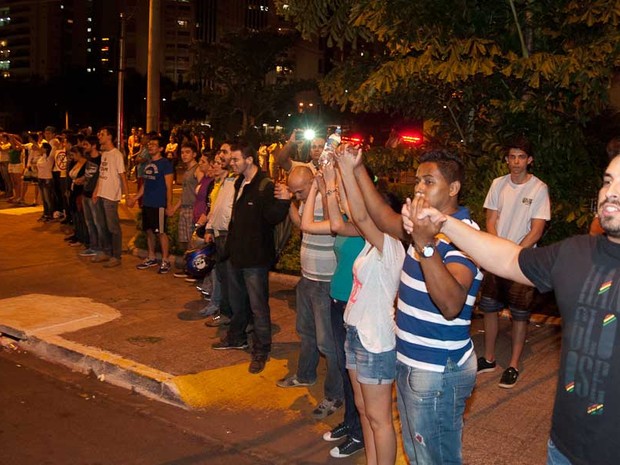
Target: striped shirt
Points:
x,y
424,338
317,257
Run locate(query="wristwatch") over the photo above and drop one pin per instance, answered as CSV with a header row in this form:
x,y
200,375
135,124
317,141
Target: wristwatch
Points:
x,y
427,251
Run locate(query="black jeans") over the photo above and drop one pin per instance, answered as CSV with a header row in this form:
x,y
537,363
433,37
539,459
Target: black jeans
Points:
x,y
351,415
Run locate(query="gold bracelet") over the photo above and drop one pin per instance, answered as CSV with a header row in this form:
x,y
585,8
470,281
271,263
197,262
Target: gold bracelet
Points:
x,y
330,192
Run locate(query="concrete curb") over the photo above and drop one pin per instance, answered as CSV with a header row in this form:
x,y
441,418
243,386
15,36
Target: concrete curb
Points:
x,y
106,366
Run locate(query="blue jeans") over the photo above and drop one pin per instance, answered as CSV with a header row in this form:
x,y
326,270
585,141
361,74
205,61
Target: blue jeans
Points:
x,y
112,235
222,272
351,415
47,193
314,326
249,289
370,368
554,456
431,407
95,222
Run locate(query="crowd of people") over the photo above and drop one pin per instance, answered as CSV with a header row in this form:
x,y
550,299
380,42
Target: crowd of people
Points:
x,y
386,292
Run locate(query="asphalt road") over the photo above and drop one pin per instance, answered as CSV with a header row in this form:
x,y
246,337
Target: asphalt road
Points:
x,y
52,416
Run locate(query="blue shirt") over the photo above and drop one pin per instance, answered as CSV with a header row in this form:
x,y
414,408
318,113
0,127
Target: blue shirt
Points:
x,y
424,338
155,172
346,249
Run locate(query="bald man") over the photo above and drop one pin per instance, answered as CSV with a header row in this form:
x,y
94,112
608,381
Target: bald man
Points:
x,y
313,323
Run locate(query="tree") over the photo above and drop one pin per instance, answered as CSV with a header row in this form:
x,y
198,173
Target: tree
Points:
x,y
482,72
232,76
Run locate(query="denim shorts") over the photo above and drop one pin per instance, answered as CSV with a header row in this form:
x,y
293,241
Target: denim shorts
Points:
x,y
371,368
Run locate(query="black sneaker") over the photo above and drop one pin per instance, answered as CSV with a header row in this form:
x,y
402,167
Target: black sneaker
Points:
x,y
349,447
509,378
164,267
338,432
225,345
484,366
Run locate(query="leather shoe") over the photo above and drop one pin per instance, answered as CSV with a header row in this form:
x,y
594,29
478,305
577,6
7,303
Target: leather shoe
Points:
x,y
257,365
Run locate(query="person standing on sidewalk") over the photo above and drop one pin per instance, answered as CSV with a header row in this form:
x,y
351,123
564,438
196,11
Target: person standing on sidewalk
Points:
x,y
436,362
313,321
584,272
111,185
222,197
517,207
256,210
156,195
93,213
191,178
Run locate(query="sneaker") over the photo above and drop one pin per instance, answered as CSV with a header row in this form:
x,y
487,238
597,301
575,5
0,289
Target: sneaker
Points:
x,y
509,378
112,262
218,320
338,432
74,243
88,253
70,237
349,447
100,257
164,267
292,381
484,366
257,364
209,310
148,263
181,274
191,280
326,407
225,345
204,290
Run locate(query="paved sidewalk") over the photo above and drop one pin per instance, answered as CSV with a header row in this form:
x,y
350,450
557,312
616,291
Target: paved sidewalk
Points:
x,y
142,330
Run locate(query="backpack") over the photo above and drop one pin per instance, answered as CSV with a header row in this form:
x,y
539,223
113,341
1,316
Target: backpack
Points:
x,y
282,230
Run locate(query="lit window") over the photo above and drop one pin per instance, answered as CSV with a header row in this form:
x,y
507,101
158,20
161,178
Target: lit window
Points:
x,y
89,29
182,22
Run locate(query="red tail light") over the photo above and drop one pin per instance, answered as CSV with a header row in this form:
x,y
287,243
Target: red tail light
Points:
x,y
411,138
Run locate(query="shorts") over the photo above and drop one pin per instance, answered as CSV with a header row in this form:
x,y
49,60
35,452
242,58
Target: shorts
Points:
x,y
154,219
186,224
16,168
371,368
497,293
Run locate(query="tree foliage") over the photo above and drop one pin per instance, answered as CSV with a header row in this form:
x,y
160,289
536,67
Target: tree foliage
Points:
x,y
482,72
233,76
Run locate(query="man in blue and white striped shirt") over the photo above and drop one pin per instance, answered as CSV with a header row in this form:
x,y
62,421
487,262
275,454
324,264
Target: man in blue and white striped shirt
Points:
x,y
436,364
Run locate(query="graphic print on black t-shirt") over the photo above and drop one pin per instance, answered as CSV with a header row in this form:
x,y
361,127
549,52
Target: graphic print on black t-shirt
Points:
x,y
591,339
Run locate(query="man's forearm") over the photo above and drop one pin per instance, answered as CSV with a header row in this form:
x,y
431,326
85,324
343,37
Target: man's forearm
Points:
x,y
494,254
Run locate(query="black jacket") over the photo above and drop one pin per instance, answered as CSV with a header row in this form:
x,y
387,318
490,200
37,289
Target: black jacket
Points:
x,y
250,241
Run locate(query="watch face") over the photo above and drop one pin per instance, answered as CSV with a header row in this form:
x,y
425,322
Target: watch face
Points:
x,y
428,251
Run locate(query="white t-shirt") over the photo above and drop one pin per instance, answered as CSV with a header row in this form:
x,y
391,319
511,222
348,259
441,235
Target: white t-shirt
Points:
x,y
112,166
517,205
370,309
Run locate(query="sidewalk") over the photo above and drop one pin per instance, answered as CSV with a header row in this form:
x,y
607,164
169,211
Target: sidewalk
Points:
x,y
141,330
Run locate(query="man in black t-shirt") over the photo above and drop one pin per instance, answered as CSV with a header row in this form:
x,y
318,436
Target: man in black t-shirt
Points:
x,y
584,272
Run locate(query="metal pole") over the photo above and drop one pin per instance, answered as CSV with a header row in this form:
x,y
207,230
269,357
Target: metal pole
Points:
x,y
152,82
120,130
